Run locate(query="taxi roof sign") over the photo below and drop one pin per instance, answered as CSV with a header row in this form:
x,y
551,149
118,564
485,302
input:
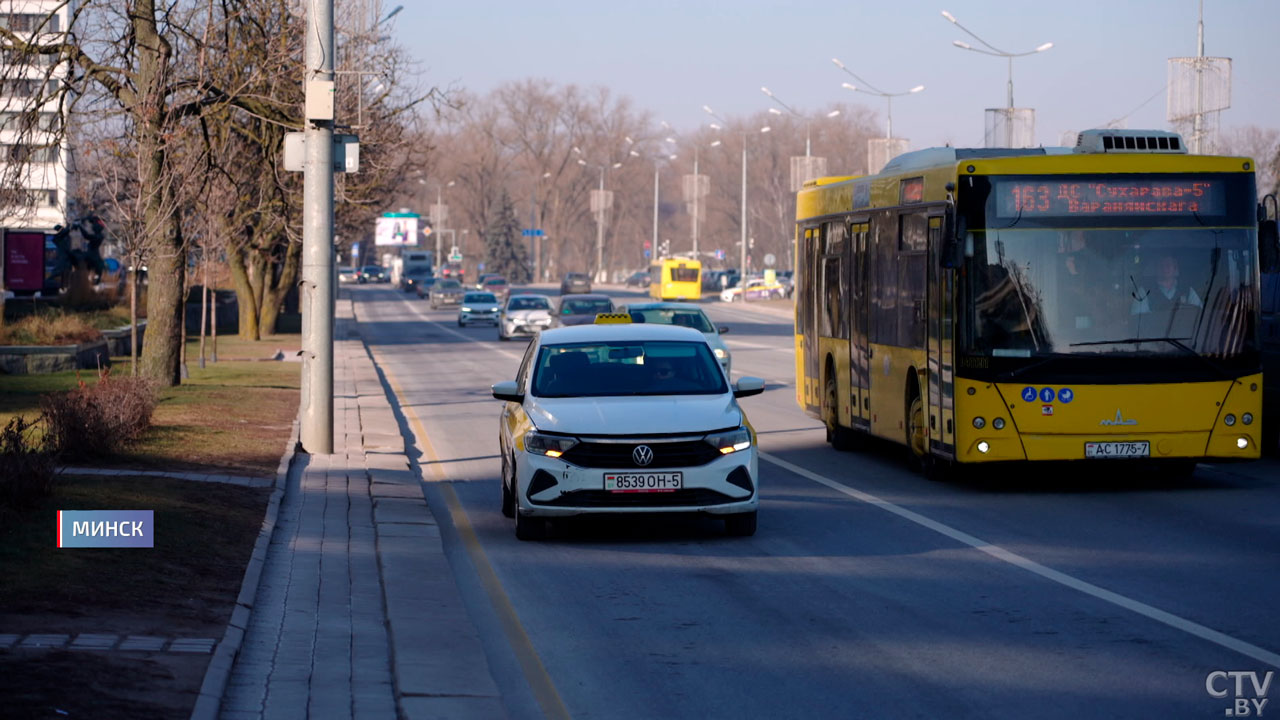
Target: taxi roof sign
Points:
x,y
613,318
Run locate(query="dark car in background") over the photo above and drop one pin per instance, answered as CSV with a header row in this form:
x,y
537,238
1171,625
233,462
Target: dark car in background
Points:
x,y
497,285
372,274
575,282
640,279
446,292
423,286
582,309
416,278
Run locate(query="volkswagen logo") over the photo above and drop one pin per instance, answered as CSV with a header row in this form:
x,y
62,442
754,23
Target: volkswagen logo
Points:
x,y
642,455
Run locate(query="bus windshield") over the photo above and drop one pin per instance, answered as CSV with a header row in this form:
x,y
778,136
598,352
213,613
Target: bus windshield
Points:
x,y
1136,291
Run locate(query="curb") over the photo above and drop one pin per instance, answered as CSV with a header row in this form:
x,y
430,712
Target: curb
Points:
x,y
216,675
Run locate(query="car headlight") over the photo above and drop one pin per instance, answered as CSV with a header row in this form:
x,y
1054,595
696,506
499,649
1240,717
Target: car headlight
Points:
x,y
466,309
720,353
730,442
550,445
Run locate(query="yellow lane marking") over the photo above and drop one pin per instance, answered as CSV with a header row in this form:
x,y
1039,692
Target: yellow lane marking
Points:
x,y
535,673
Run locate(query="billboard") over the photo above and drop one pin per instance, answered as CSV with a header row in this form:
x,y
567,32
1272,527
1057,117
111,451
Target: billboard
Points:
x,y
397,231
24,260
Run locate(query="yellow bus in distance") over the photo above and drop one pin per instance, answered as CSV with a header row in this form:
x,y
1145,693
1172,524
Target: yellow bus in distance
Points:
x,y
675,279
1037,304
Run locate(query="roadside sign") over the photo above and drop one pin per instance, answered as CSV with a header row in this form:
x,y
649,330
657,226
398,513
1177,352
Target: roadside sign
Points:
x,y
479,267
24,260
455,257
532,232
770,259
647,253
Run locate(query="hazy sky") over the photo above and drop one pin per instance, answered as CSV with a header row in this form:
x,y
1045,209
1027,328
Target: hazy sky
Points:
x,y
674,56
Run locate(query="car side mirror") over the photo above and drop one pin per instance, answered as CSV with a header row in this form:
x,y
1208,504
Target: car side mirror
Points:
x,y
954,231
508,391
722,329
748,386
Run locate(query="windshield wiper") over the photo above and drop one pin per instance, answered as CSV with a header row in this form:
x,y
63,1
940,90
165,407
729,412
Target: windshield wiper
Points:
x,y
1011,374
1176,342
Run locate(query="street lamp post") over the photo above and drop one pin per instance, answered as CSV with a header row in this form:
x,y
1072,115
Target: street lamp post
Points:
x,y
657,166
599,212
807,136
743,221
870,89
996,52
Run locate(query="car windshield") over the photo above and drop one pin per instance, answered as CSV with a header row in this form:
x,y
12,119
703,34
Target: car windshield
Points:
x,y
586,306
479,298
495,281
529,303
1136,291
371,269
623,368
576,277
668,316
448,285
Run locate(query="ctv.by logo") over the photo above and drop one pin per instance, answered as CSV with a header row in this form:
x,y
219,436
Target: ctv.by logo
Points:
x,y
1219,684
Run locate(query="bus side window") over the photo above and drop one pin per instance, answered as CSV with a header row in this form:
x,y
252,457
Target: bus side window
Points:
x,y
912,279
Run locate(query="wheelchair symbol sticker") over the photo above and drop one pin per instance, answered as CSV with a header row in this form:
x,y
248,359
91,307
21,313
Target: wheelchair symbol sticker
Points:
x,y
1028,394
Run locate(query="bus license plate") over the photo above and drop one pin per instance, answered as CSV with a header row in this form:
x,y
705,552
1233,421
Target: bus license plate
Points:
x,y
1108,450
643,482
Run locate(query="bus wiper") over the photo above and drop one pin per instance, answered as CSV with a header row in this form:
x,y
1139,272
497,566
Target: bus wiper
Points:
x,y
1011,374
1176,342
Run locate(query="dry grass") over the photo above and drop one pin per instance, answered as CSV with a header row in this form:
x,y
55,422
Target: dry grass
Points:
x,y
100,418
53,328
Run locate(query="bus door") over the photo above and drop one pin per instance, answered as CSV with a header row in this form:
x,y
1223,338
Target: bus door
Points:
x,y
811,261
858,309
941,310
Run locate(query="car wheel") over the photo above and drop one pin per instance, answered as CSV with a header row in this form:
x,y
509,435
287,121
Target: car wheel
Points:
x,y
508,498
740,524
529,528
502,335
460,323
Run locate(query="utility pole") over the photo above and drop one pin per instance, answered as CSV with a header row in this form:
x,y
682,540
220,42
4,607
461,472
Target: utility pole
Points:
x,y
317,233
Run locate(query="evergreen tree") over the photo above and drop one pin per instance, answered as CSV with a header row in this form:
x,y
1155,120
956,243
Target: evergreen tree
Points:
x,y
504,247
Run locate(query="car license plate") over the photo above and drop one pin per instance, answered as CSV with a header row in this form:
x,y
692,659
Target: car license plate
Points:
x,y
643,482
1108,450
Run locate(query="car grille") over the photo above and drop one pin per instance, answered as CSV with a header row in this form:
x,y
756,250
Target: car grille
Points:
x,y
600,498
617,456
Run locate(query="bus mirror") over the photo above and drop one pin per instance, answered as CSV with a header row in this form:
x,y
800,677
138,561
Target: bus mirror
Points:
x,y
952,253
1269,246
1268,236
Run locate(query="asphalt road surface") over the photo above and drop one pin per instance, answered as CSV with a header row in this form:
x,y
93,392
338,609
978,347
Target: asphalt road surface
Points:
x,y
868,590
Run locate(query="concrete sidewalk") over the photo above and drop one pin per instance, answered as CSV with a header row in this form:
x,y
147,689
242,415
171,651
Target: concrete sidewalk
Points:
x,y
356,613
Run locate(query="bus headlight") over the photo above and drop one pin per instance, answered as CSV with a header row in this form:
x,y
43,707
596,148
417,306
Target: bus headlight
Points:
x,y
1247,418
1229,419
1242,442
983,447
979,423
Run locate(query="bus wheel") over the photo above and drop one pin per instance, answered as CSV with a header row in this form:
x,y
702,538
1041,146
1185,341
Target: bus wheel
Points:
x,y
840,438
916,442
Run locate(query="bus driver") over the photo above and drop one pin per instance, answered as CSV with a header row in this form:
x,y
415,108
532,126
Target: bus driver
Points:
x,y
1168,294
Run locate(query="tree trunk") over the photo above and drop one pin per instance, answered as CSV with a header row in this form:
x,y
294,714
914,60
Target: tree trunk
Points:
x,y
204,304
245,296
274,297
133,317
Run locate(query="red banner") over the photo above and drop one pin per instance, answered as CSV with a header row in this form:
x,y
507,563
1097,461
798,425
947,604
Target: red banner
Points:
x,y
23,260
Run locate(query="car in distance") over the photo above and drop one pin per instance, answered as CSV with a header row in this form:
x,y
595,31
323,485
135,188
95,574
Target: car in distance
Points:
x,y
484,276
685,315
478,307
414,278
755,289
639,278
346,275
625,418
446,292
372,274
575,282
423,286
524,315
497,285
582,309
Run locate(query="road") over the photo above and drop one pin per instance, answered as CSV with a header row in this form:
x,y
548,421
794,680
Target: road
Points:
x,y
868,590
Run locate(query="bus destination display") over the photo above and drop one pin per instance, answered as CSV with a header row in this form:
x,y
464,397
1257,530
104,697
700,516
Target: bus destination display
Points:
x,y
1113,196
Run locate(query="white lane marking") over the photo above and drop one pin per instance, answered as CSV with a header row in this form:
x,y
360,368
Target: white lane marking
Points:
x,y
739,344
995,551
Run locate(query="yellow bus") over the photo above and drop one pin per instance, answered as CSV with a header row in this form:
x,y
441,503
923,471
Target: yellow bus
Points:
x,y
983,305
675,279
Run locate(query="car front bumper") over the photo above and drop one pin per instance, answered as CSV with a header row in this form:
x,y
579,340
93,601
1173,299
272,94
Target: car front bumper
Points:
x,y
579,490
519,327
478,317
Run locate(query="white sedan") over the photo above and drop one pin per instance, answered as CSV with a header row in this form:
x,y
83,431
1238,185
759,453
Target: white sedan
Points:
x,y
478,307
524,315
625,418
